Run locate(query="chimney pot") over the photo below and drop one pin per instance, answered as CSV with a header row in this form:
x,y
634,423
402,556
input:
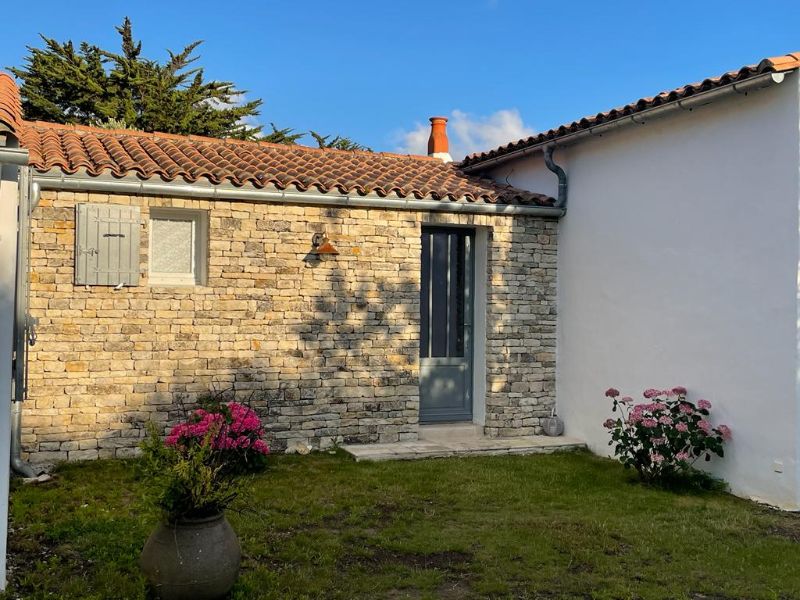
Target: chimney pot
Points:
x,y
438,145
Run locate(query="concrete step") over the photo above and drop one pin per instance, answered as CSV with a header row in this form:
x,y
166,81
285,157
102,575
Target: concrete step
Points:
x,y
450,432
529,444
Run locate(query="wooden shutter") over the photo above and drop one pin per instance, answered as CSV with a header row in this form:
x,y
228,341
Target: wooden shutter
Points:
x,y
107,244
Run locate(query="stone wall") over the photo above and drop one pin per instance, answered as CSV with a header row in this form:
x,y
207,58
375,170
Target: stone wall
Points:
x,y
328,348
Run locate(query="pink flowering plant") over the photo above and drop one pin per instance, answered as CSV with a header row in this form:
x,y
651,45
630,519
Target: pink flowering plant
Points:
x,y
233,430
193,472
663,437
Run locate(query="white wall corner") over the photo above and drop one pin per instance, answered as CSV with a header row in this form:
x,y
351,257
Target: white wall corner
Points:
x,y
794,81
8,259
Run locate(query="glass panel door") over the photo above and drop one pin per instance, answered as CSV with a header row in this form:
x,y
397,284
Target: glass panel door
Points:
x,y
446,291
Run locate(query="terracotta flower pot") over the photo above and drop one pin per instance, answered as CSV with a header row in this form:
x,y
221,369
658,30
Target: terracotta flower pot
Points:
x,y
195,559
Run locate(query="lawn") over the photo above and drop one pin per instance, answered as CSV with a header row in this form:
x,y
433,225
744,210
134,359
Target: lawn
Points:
x,y
322,526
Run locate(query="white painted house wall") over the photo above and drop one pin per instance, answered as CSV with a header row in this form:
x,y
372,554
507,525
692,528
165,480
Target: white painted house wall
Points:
x,y
678,265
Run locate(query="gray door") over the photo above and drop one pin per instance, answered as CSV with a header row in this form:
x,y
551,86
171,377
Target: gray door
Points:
x,y
446,296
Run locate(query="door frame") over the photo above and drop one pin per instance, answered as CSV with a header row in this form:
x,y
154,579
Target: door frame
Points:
x,y
475,327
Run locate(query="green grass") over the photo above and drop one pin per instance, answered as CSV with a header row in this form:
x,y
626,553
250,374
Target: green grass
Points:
x,y
321,526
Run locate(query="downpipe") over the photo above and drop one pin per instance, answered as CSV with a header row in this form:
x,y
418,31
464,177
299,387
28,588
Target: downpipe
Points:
x,y
19,466
561,201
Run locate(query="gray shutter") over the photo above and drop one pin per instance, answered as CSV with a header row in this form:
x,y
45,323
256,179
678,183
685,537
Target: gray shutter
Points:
x,y
107,244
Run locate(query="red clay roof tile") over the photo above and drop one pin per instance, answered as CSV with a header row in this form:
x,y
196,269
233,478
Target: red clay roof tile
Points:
x,y
72,148
10,106
776,64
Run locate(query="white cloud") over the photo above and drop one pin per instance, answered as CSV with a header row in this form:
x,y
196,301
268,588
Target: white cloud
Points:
x,y
468,133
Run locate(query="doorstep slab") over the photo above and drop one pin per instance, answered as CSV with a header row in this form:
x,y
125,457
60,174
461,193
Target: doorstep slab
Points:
x,y
478,446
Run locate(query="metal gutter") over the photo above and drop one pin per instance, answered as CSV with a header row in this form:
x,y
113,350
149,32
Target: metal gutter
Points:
x,y
638,118
13,156
58,180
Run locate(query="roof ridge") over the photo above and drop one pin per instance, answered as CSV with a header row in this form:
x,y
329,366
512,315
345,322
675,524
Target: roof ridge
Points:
x,y
212,140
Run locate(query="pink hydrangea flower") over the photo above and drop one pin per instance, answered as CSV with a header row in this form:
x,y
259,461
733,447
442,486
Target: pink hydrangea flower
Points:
x,y
658,441
703,404
704,426
679,390
612,393
725,432
683,456
657,458
609,423
682,427
649,422
686,408
652,393
626,400
665,420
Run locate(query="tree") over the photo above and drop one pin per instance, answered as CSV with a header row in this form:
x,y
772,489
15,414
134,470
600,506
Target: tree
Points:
x,y
338,142
282,136
92,86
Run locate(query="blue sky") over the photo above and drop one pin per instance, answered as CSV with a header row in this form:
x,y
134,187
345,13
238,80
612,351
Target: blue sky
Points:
x,y
376,70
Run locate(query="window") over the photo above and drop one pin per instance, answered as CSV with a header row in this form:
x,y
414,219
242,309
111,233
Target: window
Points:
x,y
178,248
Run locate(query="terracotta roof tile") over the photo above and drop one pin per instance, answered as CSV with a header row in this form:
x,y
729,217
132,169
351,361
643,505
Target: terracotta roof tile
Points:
x,y
787,62
73,148
10,106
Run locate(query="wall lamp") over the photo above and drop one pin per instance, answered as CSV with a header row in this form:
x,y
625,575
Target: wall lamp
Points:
x,y
321,246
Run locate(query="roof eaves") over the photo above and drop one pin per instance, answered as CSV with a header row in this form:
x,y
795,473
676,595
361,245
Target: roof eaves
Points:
x,y
778,64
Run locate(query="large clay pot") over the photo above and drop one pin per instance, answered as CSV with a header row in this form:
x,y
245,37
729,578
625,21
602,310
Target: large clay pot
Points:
x,y
193,559
552,426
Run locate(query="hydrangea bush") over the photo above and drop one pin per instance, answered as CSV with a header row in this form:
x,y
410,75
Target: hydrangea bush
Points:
x,y
663,438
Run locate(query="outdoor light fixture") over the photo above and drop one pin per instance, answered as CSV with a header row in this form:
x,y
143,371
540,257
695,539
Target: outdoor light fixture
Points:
x,y
322,246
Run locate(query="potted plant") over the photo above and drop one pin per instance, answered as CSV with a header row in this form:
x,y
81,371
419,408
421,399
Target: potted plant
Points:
x,y
194,553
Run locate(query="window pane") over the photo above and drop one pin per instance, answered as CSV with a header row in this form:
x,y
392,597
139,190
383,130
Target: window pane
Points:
x,y
424,296
457,280
171,248
438,319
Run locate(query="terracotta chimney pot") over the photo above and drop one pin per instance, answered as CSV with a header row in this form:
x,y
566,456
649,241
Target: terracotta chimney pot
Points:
x,y
438,146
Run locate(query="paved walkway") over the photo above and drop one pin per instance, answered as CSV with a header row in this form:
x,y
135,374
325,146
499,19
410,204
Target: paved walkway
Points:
x,y
477,446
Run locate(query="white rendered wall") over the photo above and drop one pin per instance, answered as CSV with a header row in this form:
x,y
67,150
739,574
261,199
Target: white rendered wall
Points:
x,y
8,253
678,265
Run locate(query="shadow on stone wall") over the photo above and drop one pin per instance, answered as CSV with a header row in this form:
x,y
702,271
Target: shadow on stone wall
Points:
x,y
339,362
326,349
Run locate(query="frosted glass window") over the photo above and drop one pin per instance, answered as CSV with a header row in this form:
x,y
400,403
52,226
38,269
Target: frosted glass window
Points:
x,y
172,250
177,246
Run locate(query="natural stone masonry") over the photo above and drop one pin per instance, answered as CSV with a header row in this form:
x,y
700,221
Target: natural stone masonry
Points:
x,y
329,347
